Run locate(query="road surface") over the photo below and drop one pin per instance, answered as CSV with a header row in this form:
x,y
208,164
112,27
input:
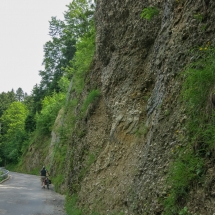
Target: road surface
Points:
x,y
23,195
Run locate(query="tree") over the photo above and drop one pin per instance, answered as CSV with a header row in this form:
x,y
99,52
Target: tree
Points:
x,y
60,50
79,17
13,127
58,53
5,100
20,94
38,93
13,118
30,122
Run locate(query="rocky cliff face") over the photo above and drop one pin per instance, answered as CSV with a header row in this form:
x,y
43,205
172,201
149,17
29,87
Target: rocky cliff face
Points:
x,y
138,121
130,134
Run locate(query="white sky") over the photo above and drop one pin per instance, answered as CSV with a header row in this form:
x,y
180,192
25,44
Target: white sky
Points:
x,y
24,27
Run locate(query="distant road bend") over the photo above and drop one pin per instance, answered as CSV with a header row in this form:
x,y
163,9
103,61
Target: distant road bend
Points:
x,y
23,195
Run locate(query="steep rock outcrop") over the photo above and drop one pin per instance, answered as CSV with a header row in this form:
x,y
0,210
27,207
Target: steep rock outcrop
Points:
x,y
139,120
119,154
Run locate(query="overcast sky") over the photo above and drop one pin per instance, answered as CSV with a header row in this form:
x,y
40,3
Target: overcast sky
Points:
x,y
24,27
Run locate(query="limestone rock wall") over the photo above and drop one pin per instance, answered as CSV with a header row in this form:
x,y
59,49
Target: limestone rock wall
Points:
x,y
138,120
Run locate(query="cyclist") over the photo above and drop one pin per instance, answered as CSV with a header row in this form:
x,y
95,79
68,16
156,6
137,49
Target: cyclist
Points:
x,y
43,173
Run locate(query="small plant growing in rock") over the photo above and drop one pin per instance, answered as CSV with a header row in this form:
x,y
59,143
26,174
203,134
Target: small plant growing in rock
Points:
x,y
203,28
149,12
142,131
146,98
198,17
184,211
90,98
166,112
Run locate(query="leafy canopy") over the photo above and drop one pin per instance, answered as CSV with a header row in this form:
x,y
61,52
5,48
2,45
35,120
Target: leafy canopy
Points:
x,y
13,118
50,108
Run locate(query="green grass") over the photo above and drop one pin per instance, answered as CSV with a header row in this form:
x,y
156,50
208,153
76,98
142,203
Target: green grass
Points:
x,y
70,206
186,170
89,161
188,166
90,98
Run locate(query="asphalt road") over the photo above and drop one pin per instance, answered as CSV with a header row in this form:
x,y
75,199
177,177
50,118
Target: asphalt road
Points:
x,y
23,195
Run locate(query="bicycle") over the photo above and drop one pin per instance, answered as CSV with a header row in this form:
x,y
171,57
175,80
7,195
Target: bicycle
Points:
x,y
47,182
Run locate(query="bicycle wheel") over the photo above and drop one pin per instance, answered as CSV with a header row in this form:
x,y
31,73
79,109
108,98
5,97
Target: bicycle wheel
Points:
x,y
47,185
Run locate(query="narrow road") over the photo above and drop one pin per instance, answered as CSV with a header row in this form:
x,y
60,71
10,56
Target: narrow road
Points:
x,y
23,195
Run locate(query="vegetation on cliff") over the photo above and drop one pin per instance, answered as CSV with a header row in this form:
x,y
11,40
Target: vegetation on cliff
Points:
x,y
191,159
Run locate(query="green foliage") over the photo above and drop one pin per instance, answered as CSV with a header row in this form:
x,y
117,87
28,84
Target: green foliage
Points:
x,y
13,119
35,101
60,50
59,160
30,123
188,167
90,98
12,149
83,57
149,12
69,119
71,207
20,95
54,61
198,16
64,84
203,27
51,106
90,160
13,132
1,172
5,100
80,17
198,79
185,170
58,181
184,211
